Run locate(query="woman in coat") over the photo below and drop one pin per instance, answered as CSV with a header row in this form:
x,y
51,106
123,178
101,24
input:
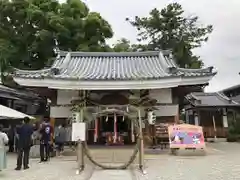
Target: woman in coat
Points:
x,y
3,142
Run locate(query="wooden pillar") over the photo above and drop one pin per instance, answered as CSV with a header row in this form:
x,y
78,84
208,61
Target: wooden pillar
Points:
x,y
196,119
176,119
187,116
214,125
141,148
52,123
225,119
80,153
199,117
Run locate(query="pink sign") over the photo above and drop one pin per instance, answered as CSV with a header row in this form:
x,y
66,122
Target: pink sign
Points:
x,y
186,136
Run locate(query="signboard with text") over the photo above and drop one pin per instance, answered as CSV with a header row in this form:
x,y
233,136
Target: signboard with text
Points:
x,y
78,131
186,136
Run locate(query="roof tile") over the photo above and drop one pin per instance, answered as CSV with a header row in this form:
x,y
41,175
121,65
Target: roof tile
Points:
x,y
210,99
114,66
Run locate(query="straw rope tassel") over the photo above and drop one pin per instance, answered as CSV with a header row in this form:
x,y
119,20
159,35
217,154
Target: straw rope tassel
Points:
x,y
132,131
96,131
115,128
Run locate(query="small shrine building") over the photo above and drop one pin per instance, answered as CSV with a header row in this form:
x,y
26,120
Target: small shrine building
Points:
x,y
115,79
212,111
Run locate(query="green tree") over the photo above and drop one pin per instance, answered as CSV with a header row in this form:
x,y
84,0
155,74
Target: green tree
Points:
x,y
170,29
122,45
37,28
6,53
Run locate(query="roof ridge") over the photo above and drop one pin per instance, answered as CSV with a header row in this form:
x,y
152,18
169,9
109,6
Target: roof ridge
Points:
x,y
22,71
194,95
108,54
206,69
230,88
226,98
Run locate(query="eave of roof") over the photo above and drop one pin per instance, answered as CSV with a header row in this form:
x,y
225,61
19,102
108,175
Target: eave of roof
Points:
x,y
17,94
99,66
210,100
231,88
113,70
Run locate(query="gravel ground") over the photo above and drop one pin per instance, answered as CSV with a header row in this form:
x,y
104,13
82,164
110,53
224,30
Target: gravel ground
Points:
x,y
221,162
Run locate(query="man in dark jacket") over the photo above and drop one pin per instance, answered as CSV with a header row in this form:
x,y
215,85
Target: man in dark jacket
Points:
x,y
24,144
11,137
46,131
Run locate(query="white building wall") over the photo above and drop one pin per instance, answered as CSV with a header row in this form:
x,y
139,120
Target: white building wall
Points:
x,y
164,96
161,95
65,96
60,112
167,110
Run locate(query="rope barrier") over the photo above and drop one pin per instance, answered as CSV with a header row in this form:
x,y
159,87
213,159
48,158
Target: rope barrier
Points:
x,y
123,166
86,152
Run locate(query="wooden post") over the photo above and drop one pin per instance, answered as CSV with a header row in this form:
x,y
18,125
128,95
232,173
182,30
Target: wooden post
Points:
x,y
80,153
214,127
52,123
80,156
196,120
141,148
225,119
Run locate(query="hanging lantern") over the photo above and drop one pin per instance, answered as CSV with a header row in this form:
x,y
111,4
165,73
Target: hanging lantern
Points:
x,y
151,117
76,117
127,109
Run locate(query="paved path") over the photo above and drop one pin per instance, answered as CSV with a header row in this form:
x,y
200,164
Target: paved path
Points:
x,y
222,162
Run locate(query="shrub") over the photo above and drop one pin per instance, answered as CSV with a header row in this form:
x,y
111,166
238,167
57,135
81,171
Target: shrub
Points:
x,y
232,137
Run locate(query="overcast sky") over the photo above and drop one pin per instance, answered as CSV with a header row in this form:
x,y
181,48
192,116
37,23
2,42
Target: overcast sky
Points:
x,y
221,51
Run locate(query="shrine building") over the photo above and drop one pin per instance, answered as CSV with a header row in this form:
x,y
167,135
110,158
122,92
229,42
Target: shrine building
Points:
x,y
115,79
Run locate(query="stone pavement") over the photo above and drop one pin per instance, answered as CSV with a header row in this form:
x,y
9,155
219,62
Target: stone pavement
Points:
x,y
221,162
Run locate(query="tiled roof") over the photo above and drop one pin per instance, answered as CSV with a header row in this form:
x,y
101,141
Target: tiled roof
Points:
x,y
210,99
236,98
17,93
231,88
114,66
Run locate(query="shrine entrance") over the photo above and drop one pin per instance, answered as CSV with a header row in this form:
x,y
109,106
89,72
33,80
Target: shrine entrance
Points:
x,y
90,112
115,130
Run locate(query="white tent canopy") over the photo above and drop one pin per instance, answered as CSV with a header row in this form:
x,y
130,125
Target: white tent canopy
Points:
x,y
8,113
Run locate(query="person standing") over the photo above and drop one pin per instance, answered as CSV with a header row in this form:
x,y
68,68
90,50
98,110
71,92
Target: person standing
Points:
x,y
11,137
60,138
46,134
16,138
24,134
3,142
